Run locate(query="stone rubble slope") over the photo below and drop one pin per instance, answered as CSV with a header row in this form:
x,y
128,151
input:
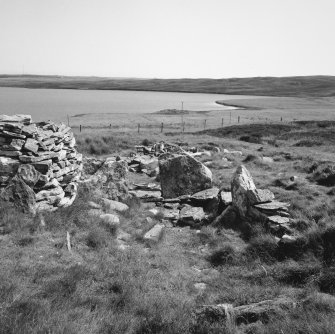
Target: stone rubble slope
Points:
x,y
39,164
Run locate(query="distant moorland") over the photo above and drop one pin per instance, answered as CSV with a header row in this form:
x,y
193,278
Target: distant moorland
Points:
x,y
299,86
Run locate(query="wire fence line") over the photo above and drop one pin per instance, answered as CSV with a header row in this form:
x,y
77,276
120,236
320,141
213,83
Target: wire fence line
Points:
x,y
184,125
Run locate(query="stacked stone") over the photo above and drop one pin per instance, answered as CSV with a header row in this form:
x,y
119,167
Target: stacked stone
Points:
x,y
43,156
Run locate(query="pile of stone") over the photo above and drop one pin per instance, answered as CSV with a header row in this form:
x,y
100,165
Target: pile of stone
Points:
x,y
252,204
39,165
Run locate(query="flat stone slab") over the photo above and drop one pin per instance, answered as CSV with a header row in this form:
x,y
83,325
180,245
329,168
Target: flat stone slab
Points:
x,y
147,186
257,196
146,195
205,195
279,220
272,206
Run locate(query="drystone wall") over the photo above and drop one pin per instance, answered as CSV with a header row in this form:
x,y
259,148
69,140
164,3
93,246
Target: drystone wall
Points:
x,y
39,164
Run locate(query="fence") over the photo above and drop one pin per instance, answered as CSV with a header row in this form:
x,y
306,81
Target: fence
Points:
x,y
185,125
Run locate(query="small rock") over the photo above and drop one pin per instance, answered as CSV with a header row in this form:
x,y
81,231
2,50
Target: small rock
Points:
x,y
110,219
154,211
155,234
200,286
93,205
190,215
114,205
279,220
148,220
267,160
94,212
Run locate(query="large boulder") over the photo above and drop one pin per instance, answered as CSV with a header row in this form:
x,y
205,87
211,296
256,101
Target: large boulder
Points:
x,y
182,175
19,193
113,179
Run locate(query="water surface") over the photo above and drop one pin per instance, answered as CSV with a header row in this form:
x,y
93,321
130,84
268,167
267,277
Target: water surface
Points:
x,y
56,104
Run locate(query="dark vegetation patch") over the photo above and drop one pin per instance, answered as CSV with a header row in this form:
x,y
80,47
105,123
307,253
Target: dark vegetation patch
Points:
x,y
250,130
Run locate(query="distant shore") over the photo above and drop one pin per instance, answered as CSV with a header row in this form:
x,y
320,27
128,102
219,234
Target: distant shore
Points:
x,y
299,86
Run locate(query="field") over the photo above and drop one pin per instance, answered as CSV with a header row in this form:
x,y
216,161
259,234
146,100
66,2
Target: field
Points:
x,y
98,288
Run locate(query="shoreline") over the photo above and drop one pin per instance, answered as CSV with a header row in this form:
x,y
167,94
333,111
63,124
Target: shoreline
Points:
x,y
236,106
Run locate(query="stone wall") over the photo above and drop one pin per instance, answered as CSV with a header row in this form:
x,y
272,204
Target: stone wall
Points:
x,y
39,165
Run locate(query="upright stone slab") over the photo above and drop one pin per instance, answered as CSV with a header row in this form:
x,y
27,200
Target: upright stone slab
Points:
x,y
242,184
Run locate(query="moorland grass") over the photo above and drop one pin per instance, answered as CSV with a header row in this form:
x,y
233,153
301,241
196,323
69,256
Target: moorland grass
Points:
x,y
97,288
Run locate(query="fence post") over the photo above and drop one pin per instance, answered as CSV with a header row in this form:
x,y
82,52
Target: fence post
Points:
x,y
238,119
222,122
80,128
281,119
205,124
183,127
230,118
138,128
110,126
162,126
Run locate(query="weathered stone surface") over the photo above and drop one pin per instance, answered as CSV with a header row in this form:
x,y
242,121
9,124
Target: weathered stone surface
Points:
x,y
146,195
114,205
31,145
226,197
8,165
257,196
190,215
242,184
182,174
19,193
10,153
147,186
273,206
14,145
9,134
154,234
112,177
205,195
45,194
29,130
32,159
28,174
279,220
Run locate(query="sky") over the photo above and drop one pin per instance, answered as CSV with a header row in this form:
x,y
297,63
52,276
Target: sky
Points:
x,y
168,38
